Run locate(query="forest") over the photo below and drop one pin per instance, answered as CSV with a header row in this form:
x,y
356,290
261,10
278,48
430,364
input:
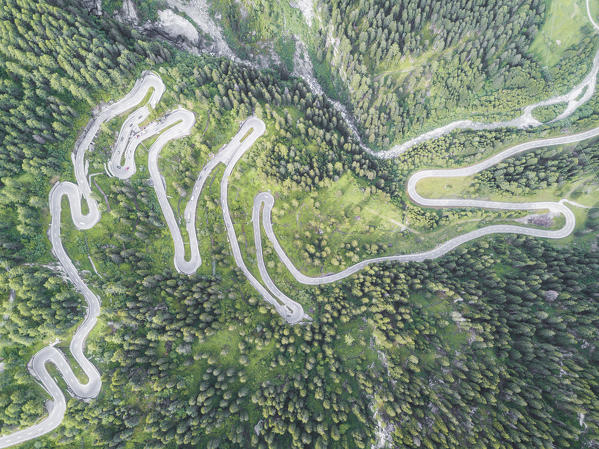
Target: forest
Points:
x,y
404,67
493,345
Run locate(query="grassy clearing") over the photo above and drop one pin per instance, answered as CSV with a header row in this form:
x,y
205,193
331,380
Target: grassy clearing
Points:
x,y
337,225
444,187
224,345
582,190
438,307
594,8
353,341
408,69
562,28
343,212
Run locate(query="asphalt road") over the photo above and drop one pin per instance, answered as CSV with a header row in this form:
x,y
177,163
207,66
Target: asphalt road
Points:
x,y
174,125
266,201
178,124
286,307
75,193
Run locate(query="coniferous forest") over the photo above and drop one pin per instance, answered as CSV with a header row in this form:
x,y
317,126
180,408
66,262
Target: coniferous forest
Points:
x,y
493,345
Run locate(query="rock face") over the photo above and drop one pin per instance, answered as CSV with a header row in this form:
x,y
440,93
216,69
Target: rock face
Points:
x,y
176,26
93,6
306,7
129,12
197,10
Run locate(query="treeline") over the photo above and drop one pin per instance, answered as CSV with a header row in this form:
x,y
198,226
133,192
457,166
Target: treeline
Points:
x,y
524,371
501,353
217,368
37,305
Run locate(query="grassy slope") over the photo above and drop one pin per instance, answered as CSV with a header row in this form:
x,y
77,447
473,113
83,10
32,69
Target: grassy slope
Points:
x,y
562,28
366,218
340,213
583,190
250,28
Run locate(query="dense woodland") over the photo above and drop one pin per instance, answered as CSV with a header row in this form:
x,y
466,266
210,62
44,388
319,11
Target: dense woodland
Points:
x,y
404,66
494,345
54,65
540,169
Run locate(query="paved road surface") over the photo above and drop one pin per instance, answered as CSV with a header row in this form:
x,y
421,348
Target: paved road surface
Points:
x,y
265,201
174,125
289,309
178,124
75,193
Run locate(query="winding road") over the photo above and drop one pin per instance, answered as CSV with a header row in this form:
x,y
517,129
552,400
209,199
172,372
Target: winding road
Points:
x,y
75,193
264,201
289,309
174,125
177,124
577,96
